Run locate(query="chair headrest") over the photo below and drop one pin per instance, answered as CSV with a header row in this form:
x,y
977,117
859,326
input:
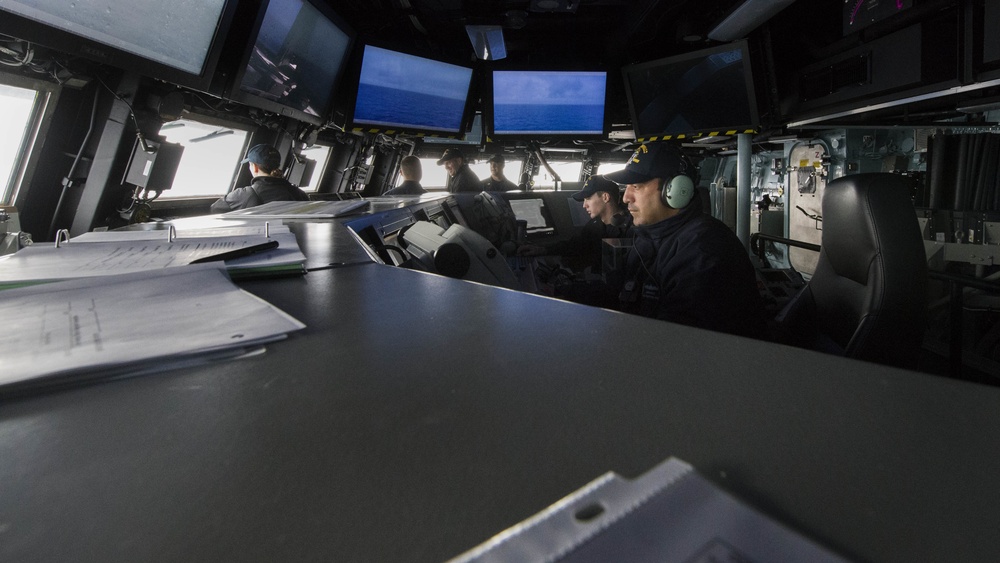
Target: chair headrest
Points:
x,y
862,215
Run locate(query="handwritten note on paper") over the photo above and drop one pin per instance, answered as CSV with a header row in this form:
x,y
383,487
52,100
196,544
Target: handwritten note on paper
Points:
x,y
45,262
99,323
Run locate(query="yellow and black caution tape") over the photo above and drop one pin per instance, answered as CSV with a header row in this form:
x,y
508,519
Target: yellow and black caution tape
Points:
x,y
691,137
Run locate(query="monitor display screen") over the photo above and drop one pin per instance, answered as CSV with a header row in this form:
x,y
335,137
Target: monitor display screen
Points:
x,y
298,55
473,137
707,90
530,211
182,41
549,102
402,91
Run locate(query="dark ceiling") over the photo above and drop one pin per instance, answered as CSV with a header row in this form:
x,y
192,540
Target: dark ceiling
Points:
x,y
586,34
557,33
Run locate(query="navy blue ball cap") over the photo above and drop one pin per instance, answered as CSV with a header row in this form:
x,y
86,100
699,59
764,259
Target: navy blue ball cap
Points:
x,y
596,184
450,154
265,156
650,160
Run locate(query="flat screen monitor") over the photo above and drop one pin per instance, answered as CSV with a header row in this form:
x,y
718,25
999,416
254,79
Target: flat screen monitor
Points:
x,y
473,137
150,37
410,93
543,102
531,212
703,91
298,54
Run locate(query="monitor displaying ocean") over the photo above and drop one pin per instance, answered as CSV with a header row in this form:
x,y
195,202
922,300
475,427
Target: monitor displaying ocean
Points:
x,y
552,119
392,107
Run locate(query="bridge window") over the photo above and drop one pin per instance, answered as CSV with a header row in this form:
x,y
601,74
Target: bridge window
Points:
x,y
211,159
17,106
435,177
568,171
482,169
321,154
609,167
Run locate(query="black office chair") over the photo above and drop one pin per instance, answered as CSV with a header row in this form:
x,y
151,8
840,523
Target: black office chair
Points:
x,y
867,297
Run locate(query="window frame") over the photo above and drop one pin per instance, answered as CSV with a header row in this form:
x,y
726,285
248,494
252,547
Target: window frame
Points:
x,y
320,171
36,131
202,119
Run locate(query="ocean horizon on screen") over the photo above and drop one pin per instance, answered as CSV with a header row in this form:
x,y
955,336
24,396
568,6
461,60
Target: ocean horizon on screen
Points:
x,y
548,118
381,105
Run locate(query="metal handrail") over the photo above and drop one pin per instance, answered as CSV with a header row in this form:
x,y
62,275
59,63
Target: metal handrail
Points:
x,y
759,248
964,280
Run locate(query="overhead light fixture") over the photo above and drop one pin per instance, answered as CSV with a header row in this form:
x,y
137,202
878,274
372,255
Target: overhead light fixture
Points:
x,y
747,17
979,106
553,5
780,139
687,31
712,139
487,41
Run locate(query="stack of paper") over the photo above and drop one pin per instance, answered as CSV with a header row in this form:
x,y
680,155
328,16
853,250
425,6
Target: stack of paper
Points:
x,y
127,324
247,251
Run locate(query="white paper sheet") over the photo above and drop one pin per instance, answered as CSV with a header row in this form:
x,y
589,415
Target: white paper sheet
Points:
x,y
154,317
134,251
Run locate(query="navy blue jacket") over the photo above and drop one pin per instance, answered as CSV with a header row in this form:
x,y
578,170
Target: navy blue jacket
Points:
x,y
587,243
262,189
502,185
408,187
465,180
692,269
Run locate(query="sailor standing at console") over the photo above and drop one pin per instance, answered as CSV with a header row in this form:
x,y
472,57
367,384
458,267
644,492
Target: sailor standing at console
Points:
x,y
608,219
412,172
686,266
497,182
460,177
267,185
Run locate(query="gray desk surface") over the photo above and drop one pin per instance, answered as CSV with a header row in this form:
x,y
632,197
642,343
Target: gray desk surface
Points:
x,y
416,416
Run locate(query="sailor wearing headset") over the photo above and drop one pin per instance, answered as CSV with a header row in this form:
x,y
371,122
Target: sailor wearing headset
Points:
x,y
686,266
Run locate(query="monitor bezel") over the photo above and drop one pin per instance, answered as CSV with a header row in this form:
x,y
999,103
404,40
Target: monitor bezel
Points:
x,y
748,82
210,80
240,96
468,113
490,107
461,139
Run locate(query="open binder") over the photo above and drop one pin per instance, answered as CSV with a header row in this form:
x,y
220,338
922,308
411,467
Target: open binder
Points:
x,y
246,253
669,514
